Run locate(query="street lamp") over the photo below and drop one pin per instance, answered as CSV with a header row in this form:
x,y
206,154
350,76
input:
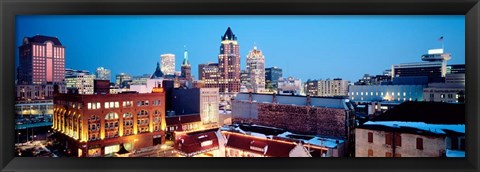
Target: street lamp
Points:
x,y
18,137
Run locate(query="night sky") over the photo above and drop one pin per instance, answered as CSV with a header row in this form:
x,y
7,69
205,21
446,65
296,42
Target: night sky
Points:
x,y
315,47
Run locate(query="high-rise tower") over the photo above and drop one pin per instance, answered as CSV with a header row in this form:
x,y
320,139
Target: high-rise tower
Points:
x,y
42,60
186,68
256,70
229,63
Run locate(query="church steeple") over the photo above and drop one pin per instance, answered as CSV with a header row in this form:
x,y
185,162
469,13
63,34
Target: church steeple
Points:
x,y
158,72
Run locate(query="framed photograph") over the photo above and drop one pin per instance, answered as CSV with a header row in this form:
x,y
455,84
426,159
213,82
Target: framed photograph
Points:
x,y
239,85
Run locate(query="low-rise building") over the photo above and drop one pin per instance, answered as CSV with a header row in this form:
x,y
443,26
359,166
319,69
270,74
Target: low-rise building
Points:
x,y
98,125
205,143
414,129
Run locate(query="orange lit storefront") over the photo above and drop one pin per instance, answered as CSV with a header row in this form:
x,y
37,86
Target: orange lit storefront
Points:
x,y
97,125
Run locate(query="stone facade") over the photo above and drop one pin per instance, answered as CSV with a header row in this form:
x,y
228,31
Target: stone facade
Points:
x,y
432,146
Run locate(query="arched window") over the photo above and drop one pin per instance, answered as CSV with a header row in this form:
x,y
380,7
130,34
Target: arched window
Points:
x,y
143,113
111,116
111,125
127,124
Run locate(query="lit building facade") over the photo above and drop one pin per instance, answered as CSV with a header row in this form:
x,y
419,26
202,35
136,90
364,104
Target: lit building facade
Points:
x,y
97,125
327,88
271,77
103,74
311,87
38,91
256,70
81,81
400,93
168,64
209,74
229,63
435,66
245,80
42,60
209,102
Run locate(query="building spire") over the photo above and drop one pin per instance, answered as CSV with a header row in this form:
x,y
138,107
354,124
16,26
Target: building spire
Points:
x,y
185,57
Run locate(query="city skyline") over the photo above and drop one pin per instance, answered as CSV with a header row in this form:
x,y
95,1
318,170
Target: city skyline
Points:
x,y
123,39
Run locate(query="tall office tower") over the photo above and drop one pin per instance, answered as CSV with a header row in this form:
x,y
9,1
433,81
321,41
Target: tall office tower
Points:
x,y
168,64
42,60
271,77
186,68
102,74
229,63
256,70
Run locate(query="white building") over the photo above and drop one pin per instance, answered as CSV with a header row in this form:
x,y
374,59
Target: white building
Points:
x,y
103,74
256,70
289,86
80,80
209,102
148,87
168,64
335,87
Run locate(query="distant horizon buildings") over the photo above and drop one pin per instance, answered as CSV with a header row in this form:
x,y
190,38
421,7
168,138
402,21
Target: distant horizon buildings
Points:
x,y
168,64
42,60
103,74
79,81
327,88
121,78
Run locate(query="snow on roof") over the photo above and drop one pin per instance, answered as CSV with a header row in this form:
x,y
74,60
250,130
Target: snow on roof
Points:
x,y
310,139
435,128
315,140
455,153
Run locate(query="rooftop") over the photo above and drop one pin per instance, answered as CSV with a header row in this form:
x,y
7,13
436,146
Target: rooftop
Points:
x,y
41,39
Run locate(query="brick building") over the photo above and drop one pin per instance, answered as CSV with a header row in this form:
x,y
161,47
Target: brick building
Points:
x,y
326,117
98,125
414,129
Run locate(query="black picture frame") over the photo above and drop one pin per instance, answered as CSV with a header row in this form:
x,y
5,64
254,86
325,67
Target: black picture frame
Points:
x,y
10,8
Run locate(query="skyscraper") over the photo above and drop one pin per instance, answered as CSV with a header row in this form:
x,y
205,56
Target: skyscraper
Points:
x,y
229,63
168,64
102,74
256,70
42,60
271,77
186,68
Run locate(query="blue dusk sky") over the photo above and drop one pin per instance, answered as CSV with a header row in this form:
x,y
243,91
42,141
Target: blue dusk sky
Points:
x,y
306,47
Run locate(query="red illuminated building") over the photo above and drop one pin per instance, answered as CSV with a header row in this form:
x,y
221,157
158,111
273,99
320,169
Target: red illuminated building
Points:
x,y
100,124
